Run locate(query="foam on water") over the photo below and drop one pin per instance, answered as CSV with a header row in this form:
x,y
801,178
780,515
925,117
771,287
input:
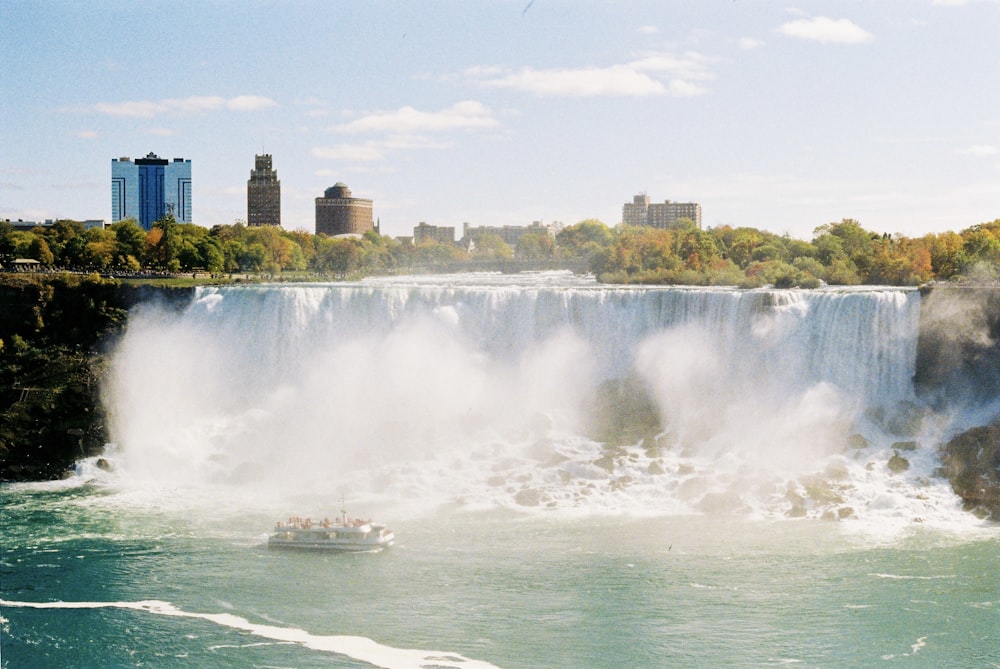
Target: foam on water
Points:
x,y
356,647
479,390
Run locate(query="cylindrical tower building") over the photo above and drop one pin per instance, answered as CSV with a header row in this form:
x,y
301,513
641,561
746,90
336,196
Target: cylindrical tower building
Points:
x,y
337,213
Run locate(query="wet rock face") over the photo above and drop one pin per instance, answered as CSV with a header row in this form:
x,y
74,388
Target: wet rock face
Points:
x,y
958,349
972,463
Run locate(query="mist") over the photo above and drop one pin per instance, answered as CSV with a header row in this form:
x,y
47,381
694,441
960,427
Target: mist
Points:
x,y
420,396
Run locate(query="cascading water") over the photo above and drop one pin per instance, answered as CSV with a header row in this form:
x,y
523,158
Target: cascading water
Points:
x,y
484,390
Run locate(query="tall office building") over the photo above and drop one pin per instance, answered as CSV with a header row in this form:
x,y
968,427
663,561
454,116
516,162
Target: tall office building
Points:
x,y
147,189
263,193
337,213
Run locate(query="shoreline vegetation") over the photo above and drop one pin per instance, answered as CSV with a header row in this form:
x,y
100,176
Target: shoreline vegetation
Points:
x,y
841,253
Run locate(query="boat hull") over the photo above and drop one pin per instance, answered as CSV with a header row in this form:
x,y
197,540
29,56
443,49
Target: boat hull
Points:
x,y
328,546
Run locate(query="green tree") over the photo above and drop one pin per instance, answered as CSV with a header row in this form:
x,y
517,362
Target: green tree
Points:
x,y
534,246
742,244
212,257
164,243
99,251
340,257
38,249
583,238
488,245
130,241
232,251
253,258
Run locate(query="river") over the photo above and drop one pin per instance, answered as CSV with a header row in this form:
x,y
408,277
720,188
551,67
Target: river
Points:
x,y
758,524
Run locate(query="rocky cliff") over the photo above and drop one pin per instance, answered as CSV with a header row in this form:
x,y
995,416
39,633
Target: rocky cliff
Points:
x,y
54,333
958,370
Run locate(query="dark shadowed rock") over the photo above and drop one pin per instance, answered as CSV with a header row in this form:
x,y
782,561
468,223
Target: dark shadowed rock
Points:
x,y
972,463
958,349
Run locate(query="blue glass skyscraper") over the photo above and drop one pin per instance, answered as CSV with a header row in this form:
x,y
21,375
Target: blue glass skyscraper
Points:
x,y
150,188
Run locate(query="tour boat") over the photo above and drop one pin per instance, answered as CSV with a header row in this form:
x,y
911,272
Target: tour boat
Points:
x,y
353,535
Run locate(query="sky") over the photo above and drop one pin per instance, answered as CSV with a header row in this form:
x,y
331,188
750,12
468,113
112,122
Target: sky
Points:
x,y
782,116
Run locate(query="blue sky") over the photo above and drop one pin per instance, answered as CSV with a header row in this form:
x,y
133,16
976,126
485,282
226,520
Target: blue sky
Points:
x,y
780,116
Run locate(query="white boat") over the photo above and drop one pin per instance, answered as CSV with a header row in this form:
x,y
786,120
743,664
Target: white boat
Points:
x,y
352,535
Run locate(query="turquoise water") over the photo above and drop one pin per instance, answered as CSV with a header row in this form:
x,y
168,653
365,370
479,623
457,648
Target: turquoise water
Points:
x,y
477,589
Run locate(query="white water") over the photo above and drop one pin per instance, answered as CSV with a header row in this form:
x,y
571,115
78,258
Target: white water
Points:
x,y
355,647
477,392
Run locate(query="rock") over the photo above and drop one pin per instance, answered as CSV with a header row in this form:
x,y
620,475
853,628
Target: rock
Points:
x,y
972,463
856,441
528,497
898,463
798,502
904,419
655,468
621,482
836,471
606,462
905,445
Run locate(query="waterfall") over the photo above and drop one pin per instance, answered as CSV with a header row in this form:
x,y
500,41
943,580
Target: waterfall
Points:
x,y
481,390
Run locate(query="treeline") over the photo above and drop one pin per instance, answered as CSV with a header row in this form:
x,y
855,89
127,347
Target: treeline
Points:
x,y
841,253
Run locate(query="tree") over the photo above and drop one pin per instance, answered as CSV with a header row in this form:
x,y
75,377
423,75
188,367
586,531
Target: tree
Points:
x,y
99,251
488,245
130,241
164,243
946,253
38,249
587,236
742,245
210,252
306,243
337,256
253,258
534,246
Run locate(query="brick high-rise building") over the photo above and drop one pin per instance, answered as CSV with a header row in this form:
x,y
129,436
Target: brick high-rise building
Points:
x,y
263,193
438,233
640,211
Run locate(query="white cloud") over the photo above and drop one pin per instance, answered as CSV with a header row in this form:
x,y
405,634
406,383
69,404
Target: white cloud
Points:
x,y
162,132
648,30
376,150
748,43
250,103
194,104
367,152
189,105
826,30
466,115
86,134
616,80
980,151
653,74
689,65
685,89
138,109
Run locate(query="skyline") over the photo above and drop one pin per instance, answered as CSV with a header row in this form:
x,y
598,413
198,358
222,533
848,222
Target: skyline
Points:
x,y
501,113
